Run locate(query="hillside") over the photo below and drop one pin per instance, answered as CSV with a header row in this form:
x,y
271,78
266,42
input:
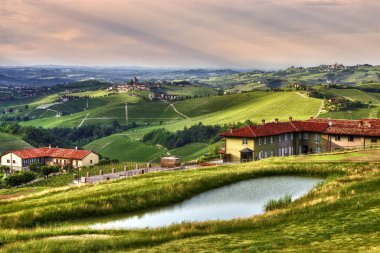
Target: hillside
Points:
x,y
340,214
10,142
254,106
351,75
121,147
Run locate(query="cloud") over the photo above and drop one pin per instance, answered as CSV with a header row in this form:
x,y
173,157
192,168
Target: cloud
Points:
x,y
242,33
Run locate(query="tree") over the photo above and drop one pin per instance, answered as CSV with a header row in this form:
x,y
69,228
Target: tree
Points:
x,y
35,167
47,170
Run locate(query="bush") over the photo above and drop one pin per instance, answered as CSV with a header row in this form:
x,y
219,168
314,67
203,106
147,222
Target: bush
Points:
x,y
19,178
4,169
47,170
35,167
275,204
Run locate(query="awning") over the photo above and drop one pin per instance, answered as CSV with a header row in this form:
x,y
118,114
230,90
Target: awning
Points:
x,y
246,150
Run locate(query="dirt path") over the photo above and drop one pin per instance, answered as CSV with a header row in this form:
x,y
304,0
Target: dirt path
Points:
x,y
320,110
175,109
83,120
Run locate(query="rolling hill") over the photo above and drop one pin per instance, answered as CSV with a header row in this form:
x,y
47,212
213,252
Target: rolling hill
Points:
x,y
351,75
10,142
216,110
121,147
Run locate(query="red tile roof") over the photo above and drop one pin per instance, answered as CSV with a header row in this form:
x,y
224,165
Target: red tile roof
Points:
x,y
363,127
52,152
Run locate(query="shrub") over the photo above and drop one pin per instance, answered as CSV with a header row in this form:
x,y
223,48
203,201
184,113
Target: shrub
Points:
x,y
4,169
275,204
47,170
35,167
19,178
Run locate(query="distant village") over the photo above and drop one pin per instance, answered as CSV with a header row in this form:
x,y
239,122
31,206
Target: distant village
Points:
x,y
154,88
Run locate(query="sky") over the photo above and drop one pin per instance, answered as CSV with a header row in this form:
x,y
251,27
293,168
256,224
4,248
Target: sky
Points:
x,y
261,34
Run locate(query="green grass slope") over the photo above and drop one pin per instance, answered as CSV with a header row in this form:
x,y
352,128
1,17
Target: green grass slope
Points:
x,y
10,142
339,215
121,147
191,151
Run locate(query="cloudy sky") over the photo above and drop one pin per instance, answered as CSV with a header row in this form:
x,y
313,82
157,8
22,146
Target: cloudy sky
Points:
x,y
189,33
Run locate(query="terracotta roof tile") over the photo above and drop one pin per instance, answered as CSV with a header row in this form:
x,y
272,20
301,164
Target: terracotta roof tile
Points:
x,y
363,127
52,152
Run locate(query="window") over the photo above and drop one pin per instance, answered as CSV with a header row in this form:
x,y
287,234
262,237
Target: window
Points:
x,y
279,152
291,136
290,150
90,161
259,141
8,161
373,140
271,153
337,137
245,141
350,138
265,140
271,139
286,150
265,154
300,136
306,136
318,150
286,137
316,138
13,161
279,138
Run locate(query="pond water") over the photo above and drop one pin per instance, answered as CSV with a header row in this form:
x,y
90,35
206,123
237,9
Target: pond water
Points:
x,y
242,199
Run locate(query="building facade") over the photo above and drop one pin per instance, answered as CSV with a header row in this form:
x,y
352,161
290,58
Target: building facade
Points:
x,y
21,159
298,137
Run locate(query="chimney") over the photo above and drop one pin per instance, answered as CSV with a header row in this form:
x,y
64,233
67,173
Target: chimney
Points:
x,y
263,121
76,147
276,120
49,146
290,119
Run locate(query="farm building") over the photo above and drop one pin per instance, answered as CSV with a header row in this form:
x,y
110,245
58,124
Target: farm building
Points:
x,y
21,159
170,162
298,137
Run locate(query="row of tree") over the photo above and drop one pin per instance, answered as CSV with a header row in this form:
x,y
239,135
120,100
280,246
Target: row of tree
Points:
x,y
196,133
63,137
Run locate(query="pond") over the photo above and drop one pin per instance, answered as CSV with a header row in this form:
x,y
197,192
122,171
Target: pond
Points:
x,y
242,199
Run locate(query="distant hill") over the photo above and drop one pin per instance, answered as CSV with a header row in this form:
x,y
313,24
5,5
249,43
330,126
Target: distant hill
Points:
x,y
51,75
324,74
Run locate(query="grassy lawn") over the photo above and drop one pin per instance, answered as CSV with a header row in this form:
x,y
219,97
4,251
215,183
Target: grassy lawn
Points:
x,y
339,215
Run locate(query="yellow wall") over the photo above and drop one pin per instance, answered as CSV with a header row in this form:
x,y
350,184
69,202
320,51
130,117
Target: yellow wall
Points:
x,y
344,143
234,145
87,160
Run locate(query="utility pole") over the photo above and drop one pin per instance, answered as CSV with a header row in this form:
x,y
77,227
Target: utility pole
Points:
x,y
126,112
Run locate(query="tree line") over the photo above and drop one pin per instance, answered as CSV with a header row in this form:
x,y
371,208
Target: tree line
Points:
x,y
62,137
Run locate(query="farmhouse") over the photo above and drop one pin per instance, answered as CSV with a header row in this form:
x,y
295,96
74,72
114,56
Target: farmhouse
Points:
x,y
298,137
21,159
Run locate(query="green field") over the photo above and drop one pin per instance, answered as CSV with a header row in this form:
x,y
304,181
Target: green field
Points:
x,y
339,215
190,151
218,110
10,142
121,147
